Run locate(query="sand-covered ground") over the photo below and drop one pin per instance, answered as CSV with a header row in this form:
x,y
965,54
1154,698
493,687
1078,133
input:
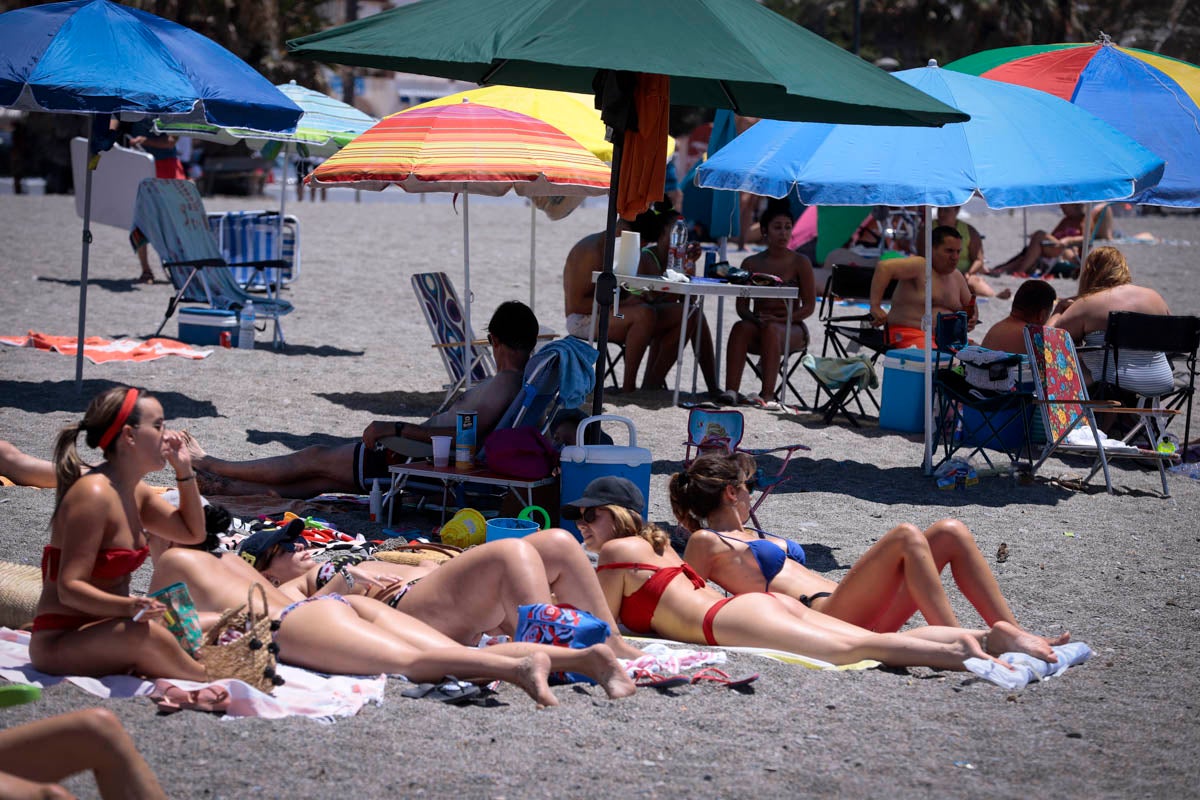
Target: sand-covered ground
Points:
x,y
1124,724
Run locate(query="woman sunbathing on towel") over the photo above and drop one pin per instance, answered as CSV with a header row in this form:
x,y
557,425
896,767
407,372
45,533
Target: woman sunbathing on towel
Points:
x,y
356,635
466,597
652,590
87,623
897,577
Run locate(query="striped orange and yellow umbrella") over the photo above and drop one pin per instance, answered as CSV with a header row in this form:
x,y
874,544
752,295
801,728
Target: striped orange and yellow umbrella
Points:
x,y
467,149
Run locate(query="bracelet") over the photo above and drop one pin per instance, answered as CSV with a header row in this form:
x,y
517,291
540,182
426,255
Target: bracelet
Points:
x,y
191,477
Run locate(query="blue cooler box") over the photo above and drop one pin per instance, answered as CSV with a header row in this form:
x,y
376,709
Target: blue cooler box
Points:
x,y
204,326
583,463
902,407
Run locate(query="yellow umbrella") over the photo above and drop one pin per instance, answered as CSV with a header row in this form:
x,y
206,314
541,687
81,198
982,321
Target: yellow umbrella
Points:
x,y
574,114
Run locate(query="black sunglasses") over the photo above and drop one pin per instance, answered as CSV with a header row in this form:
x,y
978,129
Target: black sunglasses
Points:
x,y
589,514
751,483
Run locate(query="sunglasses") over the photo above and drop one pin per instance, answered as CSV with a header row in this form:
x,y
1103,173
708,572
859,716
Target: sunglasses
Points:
x,y
589,515
283,549
751,483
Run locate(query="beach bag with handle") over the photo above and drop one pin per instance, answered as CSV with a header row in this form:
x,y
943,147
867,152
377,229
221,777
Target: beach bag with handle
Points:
x,y
241,645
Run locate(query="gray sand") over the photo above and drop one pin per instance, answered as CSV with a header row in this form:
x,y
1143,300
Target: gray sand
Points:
x,y
1126,582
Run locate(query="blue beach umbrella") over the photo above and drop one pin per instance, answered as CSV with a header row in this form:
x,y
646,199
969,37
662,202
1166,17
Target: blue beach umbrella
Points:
x,y
99,58
1020,148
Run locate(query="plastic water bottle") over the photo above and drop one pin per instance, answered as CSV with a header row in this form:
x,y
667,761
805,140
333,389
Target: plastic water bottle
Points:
x,y
246,327
376,501
677,254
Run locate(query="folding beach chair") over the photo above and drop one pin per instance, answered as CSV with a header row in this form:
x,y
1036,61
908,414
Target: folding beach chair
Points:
x,y
443,312
170,215
1067,411
1179,338
846,334
839,380
721,431
250,237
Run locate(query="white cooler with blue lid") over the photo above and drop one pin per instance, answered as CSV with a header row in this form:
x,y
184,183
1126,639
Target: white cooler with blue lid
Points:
x,y
583,463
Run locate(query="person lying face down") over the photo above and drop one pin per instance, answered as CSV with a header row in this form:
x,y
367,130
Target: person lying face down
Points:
x,y
651,590
356,635
354,466
471,595
898,576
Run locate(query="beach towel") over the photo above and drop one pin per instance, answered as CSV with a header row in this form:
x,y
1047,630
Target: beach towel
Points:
x,y
670,653
576,369
836,371
309,694
99,351
1027,668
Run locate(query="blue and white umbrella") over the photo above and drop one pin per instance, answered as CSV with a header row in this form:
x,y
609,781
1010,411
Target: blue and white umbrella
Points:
x,y
1020,148
100,58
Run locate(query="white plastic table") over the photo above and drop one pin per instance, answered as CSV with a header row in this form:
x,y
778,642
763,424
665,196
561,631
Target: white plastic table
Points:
x,y
693,294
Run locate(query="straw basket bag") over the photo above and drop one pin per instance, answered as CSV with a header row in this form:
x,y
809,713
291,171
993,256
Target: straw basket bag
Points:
x,y
413,553
240,645
20,588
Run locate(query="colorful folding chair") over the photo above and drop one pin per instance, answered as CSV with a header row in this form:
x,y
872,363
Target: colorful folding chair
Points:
x,y
443,311
711,430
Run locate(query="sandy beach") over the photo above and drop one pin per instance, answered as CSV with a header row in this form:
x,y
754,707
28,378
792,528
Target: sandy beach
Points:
x,y
1120,572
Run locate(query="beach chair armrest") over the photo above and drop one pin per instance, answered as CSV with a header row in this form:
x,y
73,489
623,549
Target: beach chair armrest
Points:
x,y
270,263
1107,405
199,263
762,451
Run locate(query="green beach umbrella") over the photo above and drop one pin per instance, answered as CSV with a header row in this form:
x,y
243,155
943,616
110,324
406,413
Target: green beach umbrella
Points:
x,y
731,54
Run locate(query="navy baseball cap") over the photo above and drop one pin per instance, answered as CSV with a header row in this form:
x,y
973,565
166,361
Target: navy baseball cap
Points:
x,y
256,545
607,491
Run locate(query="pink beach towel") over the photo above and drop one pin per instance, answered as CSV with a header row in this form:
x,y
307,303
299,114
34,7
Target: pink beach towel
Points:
x,y
98,350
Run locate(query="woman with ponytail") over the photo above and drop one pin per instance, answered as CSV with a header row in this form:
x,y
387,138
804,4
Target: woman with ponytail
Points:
x,y
898,576
651,590
87,623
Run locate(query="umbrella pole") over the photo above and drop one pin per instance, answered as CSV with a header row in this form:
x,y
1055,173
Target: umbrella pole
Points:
x,y
532,253
287,152
83,269
1088,232
928,320
468,333
606,283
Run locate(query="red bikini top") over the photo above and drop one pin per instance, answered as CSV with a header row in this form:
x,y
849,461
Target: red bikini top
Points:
x,y
111,563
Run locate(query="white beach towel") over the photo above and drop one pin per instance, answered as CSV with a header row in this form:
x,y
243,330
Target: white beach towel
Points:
x,y
304,693
1027,669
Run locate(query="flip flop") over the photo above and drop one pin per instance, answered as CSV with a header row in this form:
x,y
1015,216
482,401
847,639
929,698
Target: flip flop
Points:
x,y
14,694
170,699
452,691
714,675
653,681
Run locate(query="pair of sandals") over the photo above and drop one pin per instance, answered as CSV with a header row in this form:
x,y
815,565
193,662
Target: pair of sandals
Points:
x,y
732,398
651,680
171,698
451,691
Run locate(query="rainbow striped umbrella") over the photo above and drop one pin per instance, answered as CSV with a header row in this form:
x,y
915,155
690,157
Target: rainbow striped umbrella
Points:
x,y
468,149
1152,99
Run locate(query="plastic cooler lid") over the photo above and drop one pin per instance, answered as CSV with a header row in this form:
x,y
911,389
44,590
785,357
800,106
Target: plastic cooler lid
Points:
x,y
207,316
908,359
606,454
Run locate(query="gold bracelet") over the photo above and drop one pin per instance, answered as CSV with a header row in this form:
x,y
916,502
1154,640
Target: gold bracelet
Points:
x,y
191,477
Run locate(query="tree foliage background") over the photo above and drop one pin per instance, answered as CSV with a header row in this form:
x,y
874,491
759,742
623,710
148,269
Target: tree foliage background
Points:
x,y
913,31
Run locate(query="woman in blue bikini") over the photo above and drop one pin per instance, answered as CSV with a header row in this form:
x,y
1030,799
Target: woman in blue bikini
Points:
x,y
898,576
651,590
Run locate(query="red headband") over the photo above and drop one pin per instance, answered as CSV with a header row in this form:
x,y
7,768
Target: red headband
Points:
x,y
127,405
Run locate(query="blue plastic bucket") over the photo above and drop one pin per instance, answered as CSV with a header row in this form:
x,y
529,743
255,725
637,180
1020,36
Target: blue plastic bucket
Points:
x,y
509,528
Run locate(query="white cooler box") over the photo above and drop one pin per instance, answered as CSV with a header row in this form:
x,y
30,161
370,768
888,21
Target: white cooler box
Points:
x,y
583,463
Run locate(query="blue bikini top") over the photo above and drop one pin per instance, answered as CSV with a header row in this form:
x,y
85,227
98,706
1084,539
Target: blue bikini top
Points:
x,y
770,558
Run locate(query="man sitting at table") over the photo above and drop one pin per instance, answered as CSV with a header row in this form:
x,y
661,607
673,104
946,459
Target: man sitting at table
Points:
x,y
1031,306
950,290
638,327
353,466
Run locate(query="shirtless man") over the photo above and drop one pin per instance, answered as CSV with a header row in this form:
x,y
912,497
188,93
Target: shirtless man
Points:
x,y
950,291
353,466
1031,306
638,326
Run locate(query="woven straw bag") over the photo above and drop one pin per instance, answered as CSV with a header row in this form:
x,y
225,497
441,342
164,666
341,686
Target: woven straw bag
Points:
x,y
249,652
413,553
20,588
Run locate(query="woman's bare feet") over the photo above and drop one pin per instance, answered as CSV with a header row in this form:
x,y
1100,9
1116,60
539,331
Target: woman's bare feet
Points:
x,y
194,449
533,675
1004,637
604,668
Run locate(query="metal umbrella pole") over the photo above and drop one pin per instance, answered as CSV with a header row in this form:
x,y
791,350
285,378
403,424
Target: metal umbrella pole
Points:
x,y
83,271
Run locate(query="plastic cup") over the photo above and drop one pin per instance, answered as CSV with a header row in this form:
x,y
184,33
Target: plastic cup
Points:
x,y
441,450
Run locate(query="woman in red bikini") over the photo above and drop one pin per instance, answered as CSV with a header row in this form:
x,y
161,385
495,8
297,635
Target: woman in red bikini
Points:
x,y
898,576
651,590
87,623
